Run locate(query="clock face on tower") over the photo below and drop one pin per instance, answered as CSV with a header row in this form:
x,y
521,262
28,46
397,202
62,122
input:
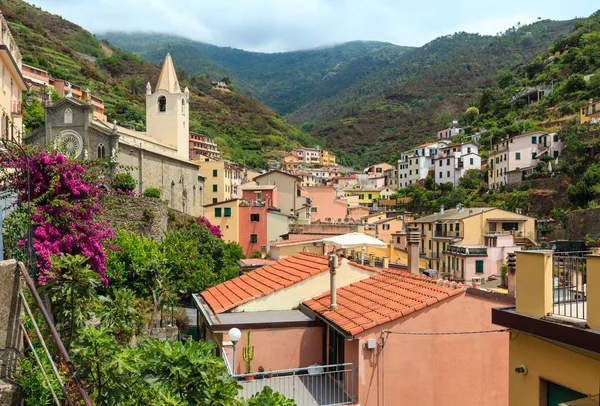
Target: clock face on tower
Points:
x,y
70,142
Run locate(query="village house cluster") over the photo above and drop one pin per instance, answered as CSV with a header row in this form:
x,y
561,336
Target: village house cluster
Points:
x,y
429,316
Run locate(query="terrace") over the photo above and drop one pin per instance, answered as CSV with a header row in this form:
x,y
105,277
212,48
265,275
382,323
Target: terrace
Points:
x,y
315,385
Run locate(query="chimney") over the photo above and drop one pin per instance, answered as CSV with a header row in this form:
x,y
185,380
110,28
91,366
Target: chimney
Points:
x,y
511,276
386,262
442,209
333,264
372,260
413,239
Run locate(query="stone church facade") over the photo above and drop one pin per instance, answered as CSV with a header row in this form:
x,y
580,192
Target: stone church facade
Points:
x,y
157,158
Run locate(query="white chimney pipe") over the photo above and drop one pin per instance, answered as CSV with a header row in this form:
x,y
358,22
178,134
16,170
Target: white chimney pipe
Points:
x,y
442,209
333,264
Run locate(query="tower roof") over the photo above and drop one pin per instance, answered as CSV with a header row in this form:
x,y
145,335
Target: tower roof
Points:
x,y
168,78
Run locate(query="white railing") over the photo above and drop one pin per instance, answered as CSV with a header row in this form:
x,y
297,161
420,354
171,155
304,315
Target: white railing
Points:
x,y
316,385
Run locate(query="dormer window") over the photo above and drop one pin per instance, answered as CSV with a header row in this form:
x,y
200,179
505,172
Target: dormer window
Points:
x,y
162,104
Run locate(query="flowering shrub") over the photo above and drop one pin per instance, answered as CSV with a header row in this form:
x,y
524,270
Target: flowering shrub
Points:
x,y
65,198
214,230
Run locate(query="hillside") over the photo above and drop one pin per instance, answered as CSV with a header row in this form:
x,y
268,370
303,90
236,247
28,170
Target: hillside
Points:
x,y
283,81
245,130
364,99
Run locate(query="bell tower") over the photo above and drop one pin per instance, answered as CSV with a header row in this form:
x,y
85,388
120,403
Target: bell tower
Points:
x,y
167,110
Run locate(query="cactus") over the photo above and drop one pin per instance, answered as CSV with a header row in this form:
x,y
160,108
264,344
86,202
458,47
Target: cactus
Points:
x,y
248,354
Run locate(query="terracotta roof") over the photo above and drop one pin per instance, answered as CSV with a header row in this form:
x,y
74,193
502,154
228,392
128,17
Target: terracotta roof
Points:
x,y
379,299
256,261
264,281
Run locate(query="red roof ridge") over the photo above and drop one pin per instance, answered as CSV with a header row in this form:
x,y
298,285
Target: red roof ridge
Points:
x,y
384,297
365,267
264,281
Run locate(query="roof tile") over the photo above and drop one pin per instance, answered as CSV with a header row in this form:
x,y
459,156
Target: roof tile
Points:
x,y
385,296
266,280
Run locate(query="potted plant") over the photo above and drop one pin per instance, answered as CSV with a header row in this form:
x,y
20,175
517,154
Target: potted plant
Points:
x,y
248,354
261,375
270,373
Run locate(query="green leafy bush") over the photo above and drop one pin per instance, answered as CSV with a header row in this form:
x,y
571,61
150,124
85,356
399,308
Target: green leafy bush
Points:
x,y
124,181
152,192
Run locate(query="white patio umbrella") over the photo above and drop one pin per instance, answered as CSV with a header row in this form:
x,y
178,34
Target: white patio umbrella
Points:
x,y
354,240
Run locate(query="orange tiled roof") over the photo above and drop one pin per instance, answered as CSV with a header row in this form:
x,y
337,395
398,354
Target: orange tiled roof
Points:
x,y
382,298
264,281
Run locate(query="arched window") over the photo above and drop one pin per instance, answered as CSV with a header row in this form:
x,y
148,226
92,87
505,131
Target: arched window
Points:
x,y
182,106
162,104
101,151
68,116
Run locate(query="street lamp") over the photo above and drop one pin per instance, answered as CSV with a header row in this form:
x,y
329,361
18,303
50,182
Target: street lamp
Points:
x,y
29,97
234,335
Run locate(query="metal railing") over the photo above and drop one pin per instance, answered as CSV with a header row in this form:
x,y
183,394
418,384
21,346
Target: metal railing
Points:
x,y
477,251
64,355
316,385
448,233
569,271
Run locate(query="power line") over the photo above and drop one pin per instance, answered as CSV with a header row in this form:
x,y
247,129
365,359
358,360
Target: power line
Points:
x,y
443,333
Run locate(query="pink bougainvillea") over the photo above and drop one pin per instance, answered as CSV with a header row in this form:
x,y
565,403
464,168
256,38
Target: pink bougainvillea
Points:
x,y
214,230
66,211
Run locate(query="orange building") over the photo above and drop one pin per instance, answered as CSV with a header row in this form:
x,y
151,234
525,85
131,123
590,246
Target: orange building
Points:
x,y
203,146
590,112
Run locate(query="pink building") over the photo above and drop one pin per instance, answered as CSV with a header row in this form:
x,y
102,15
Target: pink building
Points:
x,y
324,205
261,194
511,160
399,332
394,335
252,224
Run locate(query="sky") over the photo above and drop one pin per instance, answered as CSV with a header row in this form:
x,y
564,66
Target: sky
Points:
x,y
288,25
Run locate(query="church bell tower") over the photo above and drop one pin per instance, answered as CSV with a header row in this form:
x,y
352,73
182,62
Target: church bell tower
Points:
x,y
167,110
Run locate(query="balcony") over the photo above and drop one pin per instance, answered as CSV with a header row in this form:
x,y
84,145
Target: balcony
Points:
x,y
468,251
16,108
314,385
447,234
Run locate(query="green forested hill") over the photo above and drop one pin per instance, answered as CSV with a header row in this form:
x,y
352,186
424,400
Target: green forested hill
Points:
x,y
364,99
283,81
245,130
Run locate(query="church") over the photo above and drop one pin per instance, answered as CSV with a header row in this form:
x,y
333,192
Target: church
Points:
x,y
157,158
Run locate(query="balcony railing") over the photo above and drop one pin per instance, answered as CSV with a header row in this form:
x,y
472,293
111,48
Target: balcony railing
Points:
x,y
448,234
569,277
474,251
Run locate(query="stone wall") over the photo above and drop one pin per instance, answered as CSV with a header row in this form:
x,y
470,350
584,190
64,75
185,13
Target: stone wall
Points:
x,y
164,333
547,194
11,338
579,223
141,215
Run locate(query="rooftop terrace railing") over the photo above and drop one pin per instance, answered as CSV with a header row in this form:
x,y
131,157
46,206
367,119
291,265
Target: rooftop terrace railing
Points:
x,y
315,385
569,275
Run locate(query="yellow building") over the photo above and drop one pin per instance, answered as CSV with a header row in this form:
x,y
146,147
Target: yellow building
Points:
x,y
290,163
554,348
13,85
222,180
590,112
225,215
326,158
470,227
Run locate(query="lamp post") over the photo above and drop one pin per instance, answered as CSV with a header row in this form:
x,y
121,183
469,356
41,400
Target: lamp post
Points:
x,y
234,335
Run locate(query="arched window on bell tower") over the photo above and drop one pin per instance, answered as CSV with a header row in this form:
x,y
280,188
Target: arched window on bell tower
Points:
x,y
162,104
182,106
